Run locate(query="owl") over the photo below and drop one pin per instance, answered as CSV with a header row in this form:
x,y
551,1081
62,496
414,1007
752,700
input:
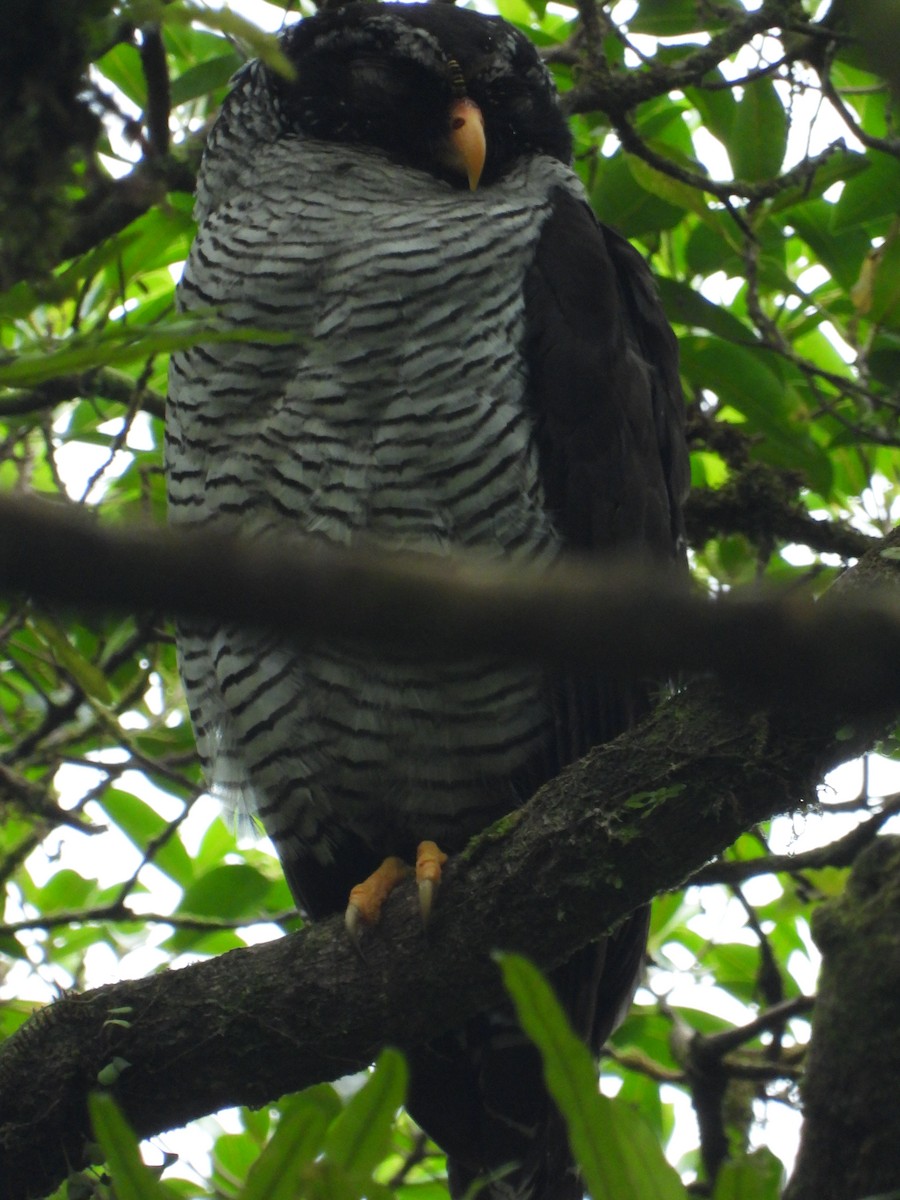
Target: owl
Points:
x,y
441,348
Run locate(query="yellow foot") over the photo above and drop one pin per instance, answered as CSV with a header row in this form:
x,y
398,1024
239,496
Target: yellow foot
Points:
x,y
429,860
367,898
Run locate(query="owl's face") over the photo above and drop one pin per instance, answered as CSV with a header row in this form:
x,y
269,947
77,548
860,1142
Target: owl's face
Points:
x,y
426,83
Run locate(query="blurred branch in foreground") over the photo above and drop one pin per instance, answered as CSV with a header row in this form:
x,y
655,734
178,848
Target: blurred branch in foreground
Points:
x,y
843,655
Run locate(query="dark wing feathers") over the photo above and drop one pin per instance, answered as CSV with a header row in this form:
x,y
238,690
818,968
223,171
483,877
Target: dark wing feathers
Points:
x,y
608,415
603,387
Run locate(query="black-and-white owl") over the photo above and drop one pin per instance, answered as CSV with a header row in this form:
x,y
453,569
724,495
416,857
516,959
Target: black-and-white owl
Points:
x,y
471,360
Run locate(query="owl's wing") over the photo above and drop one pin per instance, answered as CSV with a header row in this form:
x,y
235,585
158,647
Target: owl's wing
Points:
x,y
606,399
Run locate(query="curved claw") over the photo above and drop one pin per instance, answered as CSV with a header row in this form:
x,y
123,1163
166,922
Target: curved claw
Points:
x,y
353,923
367,898
427,891
429,861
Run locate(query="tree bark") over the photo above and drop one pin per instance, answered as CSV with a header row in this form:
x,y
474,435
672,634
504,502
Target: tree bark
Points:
x,y
850,1146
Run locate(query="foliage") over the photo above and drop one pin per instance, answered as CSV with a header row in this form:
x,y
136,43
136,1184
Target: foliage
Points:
x,y
612,1143
319,1146
752,156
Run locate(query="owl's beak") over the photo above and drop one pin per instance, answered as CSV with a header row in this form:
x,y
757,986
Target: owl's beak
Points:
x,y
467,145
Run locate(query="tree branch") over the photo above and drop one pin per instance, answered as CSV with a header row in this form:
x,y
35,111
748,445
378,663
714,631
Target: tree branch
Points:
x,y
761,502
105,382
799,176
851,1135
617,92
844,656
635,817
113,204
159,100
841,853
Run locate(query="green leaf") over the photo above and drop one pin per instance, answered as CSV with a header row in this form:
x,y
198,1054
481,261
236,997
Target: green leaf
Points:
x,y
14,1013
658,183
614,1148
758,138
154,241
142,824
132,1179
620,200
429,1189
841,253
517,12
708,470
884,296
86,675
742,378
669,18
121,343
819,350
204,77
218,841
715,245
111,1073
65,890
233,1157
884,358
840,165
325,1180
716,106
360,1137
686,306
296,1142
122,67
262,45
232,890
872,193
661,125
756,1176
736,968
649,1033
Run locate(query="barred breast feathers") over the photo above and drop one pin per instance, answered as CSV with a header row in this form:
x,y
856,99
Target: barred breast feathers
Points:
x,y
408,317
394,411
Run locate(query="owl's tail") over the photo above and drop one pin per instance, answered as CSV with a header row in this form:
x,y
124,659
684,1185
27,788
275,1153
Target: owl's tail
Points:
x,y
479,1091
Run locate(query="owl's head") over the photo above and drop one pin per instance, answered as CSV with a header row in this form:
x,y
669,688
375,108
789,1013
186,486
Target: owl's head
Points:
x,y
442,89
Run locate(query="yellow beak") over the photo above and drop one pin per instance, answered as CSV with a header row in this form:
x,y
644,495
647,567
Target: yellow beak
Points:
x,y
468,147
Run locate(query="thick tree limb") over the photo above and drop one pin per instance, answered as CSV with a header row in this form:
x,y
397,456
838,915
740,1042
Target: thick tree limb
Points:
x,y
635,817
851,1136
842,656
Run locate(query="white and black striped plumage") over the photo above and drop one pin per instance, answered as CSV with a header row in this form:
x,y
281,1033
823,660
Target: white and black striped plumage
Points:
x,y
466,368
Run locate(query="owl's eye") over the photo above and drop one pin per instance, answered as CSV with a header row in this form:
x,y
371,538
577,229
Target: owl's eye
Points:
x,y
376,81
368,70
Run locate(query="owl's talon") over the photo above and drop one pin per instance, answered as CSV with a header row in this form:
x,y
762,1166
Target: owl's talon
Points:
x,y
429,861
368,897
353,923
427,890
